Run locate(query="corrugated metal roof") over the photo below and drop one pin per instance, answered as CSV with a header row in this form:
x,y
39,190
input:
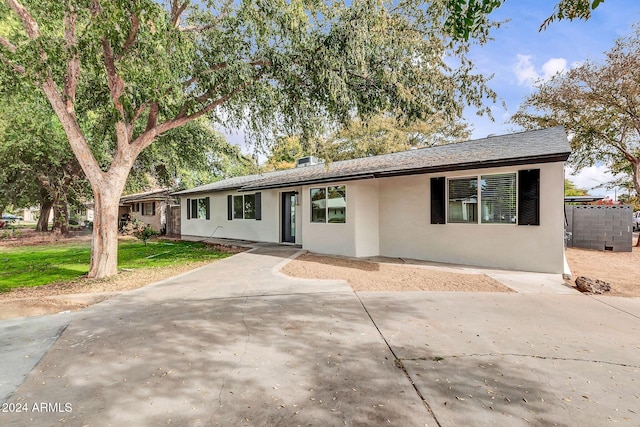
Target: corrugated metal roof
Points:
x,y
537,146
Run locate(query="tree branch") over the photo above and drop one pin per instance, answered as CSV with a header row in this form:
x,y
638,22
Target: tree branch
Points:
x,y
152,119
176,10
73,61
7,44
30,25
224,11
17,68
74,133
131,38
116,84
149,135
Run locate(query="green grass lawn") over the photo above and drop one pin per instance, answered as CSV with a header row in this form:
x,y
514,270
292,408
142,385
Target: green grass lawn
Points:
x,y
50,263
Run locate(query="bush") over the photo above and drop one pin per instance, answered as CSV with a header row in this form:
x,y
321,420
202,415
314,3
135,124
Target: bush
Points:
x,y
131,227
145,233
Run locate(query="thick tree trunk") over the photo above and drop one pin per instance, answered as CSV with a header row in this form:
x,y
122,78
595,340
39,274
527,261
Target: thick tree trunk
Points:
x,y
61,216
45,211
104,246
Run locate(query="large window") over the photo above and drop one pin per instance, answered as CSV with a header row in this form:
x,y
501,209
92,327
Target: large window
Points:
x,y
496,197
463,200
329,204
244,206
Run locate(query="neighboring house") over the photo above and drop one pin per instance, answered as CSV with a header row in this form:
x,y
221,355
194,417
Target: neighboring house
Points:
x,y
495,202
149,207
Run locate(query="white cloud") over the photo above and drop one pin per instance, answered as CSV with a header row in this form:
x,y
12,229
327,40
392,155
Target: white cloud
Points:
x,y
524,70
592,179
554,66
527,74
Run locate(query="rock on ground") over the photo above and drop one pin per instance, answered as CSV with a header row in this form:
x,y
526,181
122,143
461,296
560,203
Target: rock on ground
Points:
x,y
592,286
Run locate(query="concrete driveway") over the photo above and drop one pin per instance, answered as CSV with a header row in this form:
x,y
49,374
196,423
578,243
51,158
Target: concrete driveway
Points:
x,y
234,343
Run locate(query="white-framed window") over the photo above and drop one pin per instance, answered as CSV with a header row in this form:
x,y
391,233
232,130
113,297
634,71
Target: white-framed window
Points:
x,y
329,204
488,199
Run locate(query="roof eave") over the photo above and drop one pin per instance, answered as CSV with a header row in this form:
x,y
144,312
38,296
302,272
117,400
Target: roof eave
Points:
x,y
213,190
546,158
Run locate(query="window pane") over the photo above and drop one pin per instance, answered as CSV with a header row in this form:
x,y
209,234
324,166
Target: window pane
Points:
x,y
249,206
318,205
202,208
498,198
463,200
337,204
237,207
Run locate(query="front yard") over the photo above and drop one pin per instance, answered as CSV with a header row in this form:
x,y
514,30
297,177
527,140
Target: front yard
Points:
x,y
28,266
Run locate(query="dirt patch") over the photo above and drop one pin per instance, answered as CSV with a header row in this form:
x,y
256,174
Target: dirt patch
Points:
x,y
620,269
373,276
29,237
39,300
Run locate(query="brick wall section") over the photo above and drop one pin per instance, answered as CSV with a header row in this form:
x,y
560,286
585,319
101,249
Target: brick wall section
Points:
x,y
600,227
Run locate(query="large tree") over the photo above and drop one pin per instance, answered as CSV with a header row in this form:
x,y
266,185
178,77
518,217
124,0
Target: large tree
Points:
x,y
598,103
37,167
145,67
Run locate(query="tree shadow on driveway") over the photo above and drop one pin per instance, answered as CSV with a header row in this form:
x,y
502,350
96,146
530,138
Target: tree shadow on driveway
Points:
x,y
304,359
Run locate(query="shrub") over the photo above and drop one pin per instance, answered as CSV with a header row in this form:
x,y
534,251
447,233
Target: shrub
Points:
x,y
145,233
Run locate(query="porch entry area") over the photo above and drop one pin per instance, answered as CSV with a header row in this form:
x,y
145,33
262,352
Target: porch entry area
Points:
x,y
288,217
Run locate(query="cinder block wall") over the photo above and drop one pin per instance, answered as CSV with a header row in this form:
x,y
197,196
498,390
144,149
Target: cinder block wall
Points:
x,y
600,227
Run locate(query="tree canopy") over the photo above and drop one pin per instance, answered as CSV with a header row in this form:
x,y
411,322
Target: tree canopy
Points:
x,y
570,189
142,68
598,103
380,134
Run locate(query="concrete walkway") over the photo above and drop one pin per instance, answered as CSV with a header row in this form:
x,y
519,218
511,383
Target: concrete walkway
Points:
x,y
235,343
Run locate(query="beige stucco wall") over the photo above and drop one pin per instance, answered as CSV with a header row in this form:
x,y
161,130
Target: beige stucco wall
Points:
x,y
153,220
328,238
391,217
406,231
265,230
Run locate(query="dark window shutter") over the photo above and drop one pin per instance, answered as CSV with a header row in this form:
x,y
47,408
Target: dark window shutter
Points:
x,y
258,200
437,200
229,207
208,203
194,208
153,208
529,197
188,208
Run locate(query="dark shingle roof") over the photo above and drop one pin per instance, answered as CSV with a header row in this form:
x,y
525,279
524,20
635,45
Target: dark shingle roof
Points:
x,y
148,195
539,146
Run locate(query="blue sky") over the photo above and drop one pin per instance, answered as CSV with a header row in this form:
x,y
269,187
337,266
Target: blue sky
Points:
x,y
519,54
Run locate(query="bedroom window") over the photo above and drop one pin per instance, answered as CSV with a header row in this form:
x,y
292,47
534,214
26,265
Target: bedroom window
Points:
x,y
498,199
329,204
507,198
199,208
244,206
463,200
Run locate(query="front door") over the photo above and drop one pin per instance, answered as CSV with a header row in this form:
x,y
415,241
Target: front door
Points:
x,y
289,217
